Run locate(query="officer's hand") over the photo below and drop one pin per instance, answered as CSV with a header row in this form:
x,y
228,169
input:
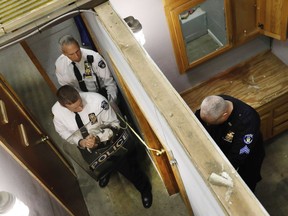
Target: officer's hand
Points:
x,y
90,142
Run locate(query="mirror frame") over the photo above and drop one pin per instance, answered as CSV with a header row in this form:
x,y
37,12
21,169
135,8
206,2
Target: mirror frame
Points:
x,y
172,10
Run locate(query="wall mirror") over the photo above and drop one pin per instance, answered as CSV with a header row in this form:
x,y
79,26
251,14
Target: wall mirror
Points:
x,y
200,30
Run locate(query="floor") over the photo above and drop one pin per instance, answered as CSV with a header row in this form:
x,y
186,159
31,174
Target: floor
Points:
x,y
120,198
204,45
272,191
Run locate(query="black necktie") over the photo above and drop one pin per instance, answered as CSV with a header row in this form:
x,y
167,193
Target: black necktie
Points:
x,y
80,124
79,78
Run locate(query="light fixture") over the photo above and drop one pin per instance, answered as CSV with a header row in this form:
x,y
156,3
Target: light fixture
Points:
x,y
136,28
10,205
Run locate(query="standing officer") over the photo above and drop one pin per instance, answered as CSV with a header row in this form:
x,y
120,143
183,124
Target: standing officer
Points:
x,y
88,111
235,127
84,69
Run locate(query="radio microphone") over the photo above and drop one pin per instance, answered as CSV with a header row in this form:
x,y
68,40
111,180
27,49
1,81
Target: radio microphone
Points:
x,y
90,59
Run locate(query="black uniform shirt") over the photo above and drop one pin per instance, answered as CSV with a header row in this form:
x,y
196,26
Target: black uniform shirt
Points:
x,y
237,137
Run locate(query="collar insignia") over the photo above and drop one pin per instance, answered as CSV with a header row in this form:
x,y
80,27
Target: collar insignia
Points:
x,y
229,136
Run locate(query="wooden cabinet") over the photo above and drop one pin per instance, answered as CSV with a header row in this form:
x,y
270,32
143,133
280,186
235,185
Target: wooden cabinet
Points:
x,y
280,115
198,25
244,20
261,82
274,117
254,17
266,119
272,18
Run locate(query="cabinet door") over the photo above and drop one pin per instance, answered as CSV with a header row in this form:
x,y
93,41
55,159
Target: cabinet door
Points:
x,y
272,18
24,138
244,20
266,127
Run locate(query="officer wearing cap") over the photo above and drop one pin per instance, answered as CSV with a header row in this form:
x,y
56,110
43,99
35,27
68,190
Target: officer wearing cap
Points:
x,y
235,127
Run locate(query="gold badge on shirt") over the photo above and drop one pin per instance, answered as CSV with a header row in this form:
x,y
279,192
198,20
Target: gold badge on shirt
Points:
x,y
92,118
229,136
88,70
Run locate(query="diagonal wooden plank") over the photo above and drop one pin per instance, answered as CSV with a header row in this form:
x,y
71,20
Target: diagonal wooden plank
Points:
x,y
199,147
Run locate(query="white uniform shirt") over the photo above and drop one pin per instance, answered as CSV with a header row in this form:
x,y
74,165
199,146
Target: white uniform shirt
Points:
x,y
65,123
65,73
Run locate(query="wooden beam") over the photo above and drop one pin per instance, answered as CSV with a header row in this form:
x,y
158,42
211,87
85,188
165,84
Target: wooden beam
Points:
x,y
202,152
170,175
162,161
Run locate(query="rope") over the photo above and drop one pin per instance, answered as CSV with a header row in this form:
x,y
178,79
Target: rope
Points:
x,y
158,152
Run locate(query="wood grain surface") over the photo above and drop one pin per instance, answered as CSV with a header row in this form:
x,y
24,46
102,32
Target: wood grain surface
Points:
x,y
256,82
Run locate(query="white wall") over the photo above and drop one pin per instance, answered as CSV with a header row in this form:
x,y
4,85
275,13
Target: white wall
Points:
x,y
16,180
45,45
158,44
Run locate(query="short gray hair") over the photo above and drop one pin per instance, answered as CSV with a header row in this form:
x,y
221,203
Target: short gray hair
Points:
x,y
213,107
67,40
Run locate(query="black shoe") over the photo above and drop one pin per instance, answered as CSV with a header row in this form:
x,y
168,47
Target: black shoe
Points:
x,y
147,199
104,181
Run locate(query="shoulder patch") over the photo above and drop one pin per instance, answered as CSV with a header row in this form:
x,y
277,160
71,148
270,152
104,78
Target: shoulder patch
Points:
x,y
104,105
101,64
248,138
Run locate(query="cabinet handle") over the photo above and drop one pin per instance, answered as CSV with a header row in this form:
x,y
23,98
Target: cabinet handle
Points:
x,y
3,113
23,134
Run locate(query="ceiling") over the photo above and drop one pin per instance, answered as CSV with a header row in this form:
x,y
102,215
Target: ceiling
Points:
x,y
21,17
